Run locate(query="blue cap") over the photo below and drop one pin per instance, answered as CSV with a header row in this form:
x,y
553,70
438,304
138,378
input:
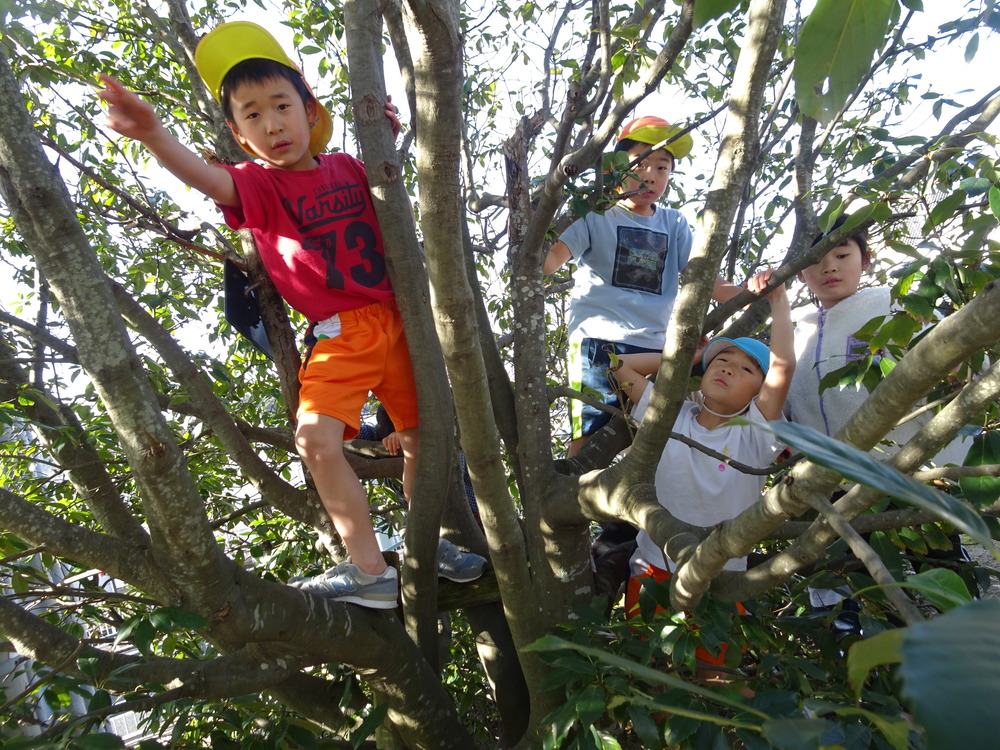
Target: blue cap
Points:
x,y
753,347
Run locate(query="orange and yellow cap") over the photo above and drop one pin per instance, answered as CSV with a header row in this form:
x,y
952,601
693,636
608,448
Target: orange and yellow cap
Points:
x,y
653,130
236,41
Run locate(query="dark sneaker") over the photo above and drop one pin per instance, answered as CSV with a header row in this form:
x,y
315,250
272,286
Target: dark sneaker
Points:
x,y
348,583
456,565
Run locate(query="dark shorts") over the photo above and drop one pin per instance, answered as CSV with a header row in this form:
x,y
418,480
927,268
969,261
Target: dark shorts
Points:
x,y
589,361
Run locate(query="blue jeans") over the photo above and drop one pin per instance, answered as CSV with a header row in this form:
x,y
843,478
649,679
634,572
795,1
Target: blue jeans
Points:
x,y
589,361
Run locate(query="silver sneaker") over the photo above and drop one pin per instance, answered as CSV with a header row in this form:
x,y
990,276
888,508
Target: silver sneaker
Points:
x,y
346,582
456,565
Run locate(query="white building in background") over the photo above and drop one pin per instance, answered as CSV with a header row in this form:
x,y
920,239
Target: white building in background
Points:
x,y
19,673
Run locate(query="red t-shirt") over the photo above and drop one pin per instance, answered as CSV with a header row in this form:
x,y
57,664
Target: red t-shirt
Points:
x,y
316,231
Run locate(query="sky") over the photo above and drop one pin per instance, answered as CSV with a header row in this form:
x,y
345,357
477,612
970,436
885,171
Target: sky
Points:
x,y
965,83
974,79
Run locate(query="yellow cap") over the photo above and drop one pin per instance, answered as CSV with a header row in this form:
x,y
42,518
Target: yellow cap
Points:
x,y
232,43
653,130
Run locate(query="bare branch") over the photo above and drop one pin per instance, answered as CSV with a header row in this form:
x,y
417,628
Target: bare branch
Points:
x,y
863,551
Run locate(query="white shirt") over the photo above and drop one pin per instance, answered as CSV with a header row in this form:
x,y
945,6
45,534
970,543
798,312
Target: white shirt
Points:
x,y
700,489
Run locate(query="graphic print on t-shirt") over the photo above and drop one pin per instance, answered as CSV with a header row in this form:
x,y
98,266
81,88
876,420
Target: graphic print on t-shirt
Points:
x,y
349,246
640,258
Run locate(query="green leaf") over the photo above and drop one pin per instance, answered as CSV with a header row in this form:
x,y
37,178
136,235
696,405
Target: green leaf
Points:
x,y
943,588
127,628
835,50
167,619
975,185
918,306
951,676
985,451
895,729
971,48
889,553
877,212
367,727
143,636
101,699
98,742
900,329
830,214
89,665
589,704
946,208
603,740
801,734
863,656
644,726
859,466
914,540
936,538
706,10
994,196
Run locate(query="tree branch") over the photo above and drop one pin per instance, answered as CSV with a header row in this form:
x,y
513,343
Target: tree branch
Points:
x,y
871,560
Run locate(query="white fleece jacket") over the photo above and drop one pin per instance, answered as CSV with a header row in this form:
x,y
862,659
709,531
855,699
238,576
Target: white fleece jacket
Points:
x,y
824,341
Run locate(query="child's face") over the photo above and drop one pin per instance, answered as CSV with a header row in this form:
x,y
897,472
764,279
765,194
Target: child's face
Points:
x,y
731,380
837,275
270,117
654,174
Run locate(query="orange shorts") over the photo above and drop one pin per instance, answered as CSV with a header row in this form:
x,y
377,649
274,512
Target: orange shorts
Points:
x,y
660,575
355,353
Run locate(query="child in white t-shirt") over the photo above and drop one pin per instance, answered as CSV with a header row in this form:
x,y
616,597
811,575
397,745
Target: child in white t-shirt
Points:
x,y
743,378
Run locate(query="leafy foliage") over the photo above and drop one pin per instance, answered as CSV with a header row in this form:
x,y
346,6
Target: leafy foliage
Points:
x,y
787,686
860,467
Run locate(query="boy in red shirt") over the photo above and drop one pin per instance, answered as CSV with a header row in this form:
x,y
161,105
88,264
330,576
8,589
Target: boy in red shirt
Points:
x,y
316,230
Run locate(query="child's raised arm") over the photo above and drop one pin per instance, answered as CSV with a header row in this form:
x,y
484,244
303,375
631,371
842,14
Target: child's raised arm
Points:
x,y
557,256
135,118
773,392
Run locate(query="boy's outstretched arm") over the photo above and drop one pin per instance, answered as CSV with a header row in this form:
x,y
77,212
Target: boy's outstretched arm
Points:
x,y
135,118
773,392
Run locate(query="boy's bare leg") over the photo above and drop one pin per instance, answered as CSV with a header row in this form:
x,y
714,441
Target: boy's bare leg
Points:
x,y
320,442
408,440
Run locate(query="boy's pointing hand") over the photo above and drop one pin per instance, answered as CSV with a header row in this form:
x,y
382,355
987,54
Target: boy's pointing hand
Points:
x,y
128,115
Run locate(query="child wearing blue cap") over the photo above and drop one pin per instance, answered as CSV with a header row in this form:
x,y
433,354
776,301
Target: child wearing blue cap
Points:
x,y
743,378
